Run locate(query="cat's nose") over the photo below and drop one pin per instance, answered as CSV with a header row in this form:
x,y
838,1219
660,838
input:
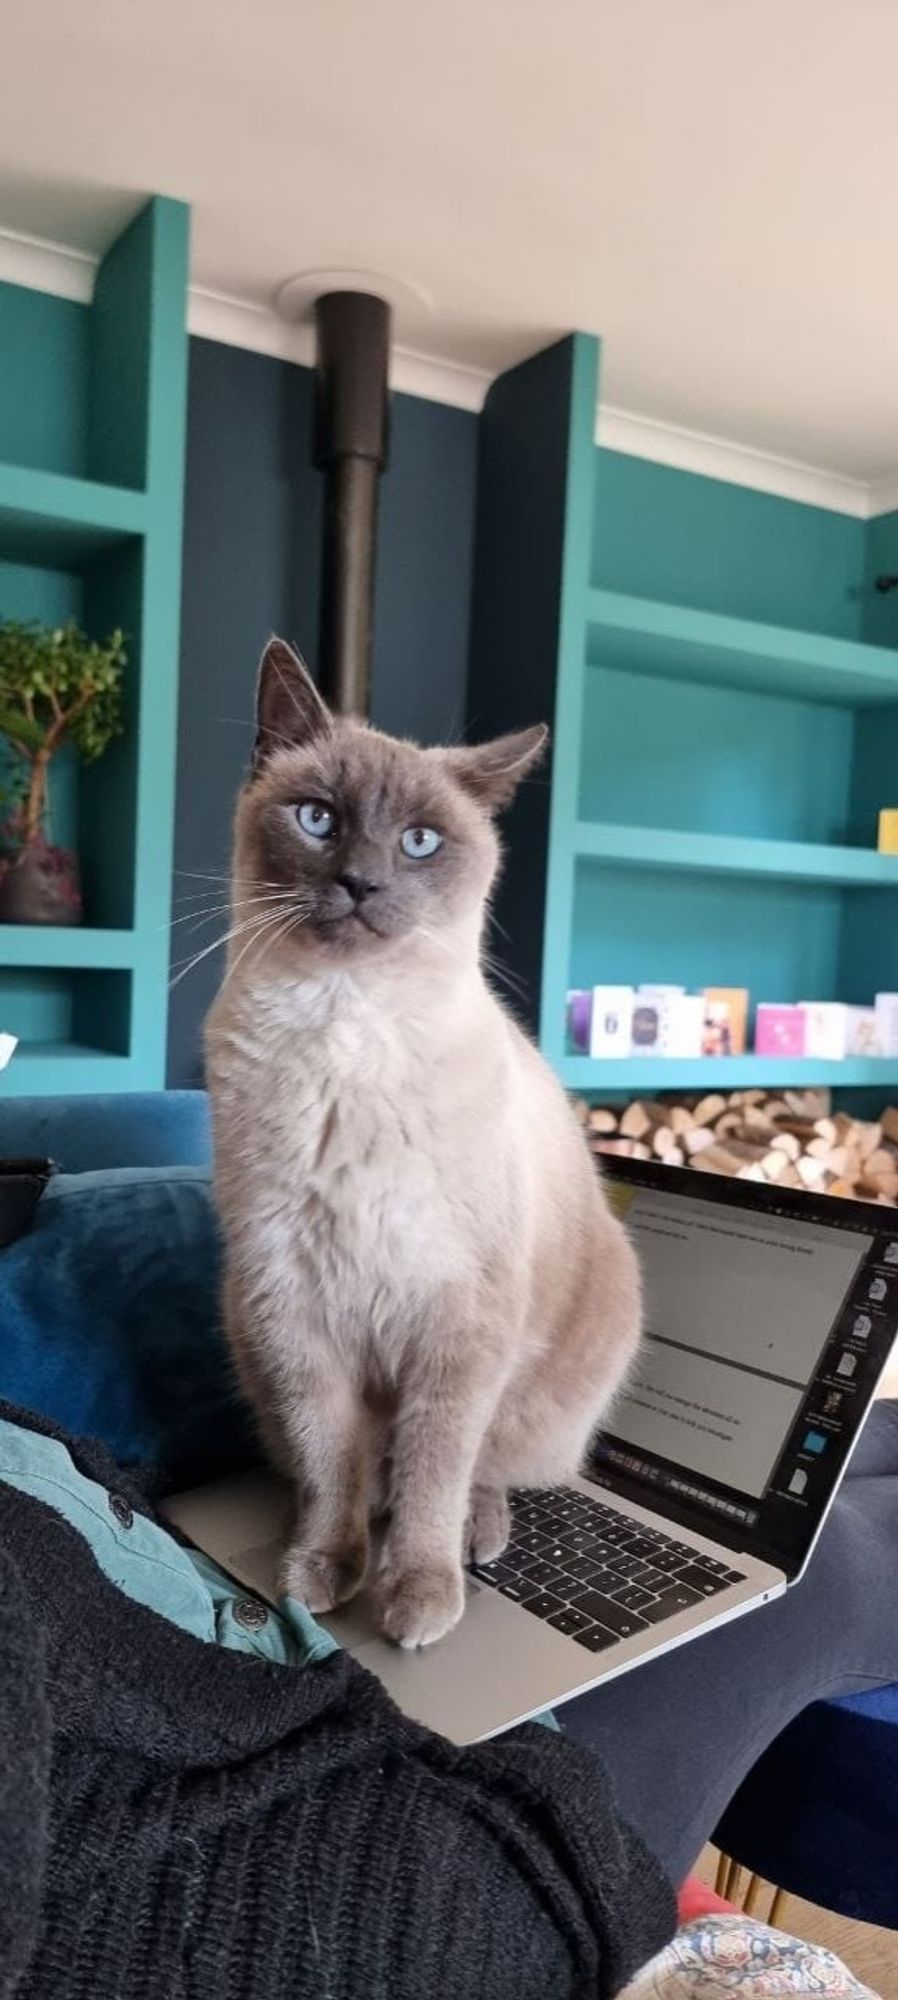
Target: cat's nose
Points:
x,y
357,886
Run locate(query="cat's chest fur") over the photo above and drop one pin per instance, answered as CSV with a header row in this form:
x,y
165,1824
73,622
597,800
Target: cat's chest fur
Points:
x,y
359,1144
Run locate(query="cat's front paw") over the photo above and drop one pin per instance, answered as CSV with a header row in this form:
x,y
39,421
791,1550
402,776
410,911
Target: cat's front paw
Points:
x,y
421,1605
488,1526
323,1578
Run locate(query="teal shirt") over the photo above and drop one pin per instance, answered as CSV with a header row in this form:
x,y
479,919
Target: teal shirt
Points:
x,y
150,1566
153,1569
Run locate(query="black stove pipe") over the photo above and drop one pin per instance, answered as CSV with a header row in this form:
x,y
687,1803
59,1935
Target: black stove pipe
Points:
x,y
351,438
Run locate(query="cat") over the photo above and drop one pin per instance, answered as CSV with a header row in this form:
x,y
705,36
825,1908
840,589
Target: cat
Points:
x,y
427,1296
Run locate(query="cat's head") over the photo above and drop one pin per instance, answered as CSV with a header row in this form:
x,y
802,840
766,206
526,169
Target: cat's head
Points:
x,y
365,839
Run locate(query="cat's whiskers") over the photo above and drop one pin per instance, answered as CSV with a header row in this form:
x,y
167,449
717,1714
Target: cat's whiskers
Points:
x,y
259,921
506,977
293,920
488,961
198,917
197,875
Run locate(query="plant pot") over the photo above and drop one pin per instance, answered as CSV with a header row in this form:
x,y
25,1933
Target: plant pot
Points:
x,y
40,885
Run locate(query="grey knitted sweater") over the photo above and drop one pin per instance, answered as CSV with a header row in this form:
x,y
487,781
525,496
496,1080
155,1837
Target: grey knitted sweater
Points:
x,y
186,1823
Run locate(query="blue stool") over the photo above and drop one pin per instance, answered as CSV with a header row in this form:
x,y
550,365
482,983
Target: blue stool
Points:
x,y
818,1814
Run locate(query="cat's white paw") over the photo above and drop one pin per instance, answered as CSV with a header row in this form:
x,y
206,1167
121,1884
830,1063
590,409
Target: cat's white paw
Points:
x,y
488,1525
323,1578
422,1605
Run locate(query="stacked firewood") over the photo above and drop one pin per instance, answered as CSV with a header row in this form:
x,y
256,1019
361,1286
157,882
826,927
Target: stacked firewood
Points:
x,y
791,1139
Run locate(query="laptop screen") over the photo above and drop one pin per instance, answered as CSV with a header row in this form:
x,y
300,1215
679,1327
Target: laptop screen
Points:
x,y
768,1319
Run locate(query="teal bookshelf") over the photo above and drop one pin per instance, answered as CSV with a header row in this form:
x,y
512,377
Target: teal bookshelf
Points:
x,y
670,642
646,1074
722,681
728,854
92,426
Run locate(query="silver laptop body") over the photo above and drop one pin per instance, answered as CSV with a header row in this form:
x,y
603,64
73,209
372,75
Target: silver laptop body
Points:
x,y
770,1316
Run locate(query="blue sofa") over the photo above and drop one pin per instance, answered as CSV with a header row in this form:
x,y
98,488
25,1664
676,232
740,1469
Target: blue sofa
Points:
x,y
146,1368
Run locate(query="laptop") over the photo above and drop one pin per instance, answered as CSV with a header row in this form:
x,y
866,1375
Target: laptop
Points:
x,y
769,1318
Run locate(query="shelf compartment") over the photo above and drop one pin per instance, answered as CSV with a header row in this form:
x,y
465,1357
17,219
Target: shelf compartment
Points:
x,y
71,1068
726,854
640,1075
780,939
674,642
72,947
53,1008
50,520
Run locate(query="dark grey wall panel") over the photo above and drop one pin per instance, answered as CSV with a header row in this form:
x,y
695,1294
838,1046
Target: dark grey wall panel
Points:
x,y
251,548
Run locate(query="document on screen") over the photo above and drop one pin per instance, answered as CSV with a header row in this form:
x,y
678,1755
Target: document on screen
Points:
x,y
738,1309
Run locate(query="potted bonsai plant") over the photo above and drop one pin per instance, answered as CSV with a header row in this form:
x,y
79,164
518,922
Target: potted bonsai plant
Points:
x,y
56,686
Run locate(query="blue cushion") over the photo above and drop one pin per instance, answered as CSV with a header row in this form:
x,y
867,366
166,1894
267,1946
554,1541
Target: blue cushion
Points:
x,y
136,1128
110,1321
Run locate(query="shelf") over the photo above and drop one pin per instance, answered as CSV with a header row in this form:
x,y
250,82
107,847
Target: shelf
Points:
x,y
672,642
72,1068
51,521
728,854
70,947
639,1074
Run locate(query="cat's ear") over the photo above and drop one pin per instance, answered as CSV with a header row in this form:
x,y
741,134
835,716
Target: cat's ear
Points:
x,y
492,772
289,709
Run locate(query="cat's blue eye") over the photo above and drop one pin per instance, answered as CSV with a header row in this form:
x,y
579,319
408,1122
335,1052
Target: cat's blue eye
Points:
x,y
420,841
316,819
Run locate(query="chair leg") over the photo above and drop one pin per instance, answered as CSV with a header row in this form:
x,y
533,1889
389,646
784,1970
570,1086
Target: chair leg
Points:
x,y
723,1863
752,1893
734,1882
777,1909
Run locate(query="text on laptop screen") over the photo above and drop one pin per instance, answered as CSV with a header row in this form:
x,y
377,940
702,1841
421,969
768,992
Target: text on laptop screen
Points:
x,y
739,1307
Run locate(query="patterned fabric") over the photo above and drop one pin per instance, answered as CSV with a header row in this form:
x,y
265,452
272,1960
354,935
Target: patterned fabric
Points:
x,y
720,1957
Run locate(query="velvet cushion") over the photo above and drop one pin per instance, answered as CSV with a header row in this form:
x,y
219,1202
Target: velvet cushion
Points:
x,y
109,1321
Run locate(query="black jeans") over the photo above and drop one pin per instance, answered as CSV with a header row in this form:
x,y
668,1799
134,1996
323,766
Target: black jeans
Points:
x,y
680,1734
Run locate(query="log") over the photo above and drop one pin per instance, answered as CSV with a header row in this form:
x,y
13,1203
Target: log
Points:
x,y
698,1140
870,1140
884,1184
889,1124
662,1140
680,1120
709,1108
755,1118
787,1144
746,1152
716,1160
674,1158
601,1120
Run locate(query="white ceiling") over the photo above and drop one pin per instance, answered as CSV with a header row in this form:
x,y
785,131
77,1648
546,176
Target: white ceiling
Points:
x,y
709,184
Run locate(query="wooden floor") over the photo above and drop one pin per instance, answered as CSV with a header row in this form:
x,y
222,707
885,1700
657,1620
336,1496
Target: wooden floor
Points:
x,y
871,1954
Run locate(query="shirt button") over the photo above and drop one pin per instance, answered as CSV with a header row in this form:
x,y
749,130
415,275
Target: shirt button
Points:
x,y
250,1613
119,1508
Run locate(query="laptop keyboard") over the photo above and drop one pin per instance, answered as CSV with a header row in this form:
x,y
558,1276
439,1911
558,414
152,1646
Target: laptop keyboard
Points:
x,y
593,1573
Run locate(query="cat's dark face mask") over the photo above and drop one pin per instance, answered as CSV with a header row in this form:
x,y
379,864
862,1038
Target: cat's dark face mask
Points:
x,y
358,840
